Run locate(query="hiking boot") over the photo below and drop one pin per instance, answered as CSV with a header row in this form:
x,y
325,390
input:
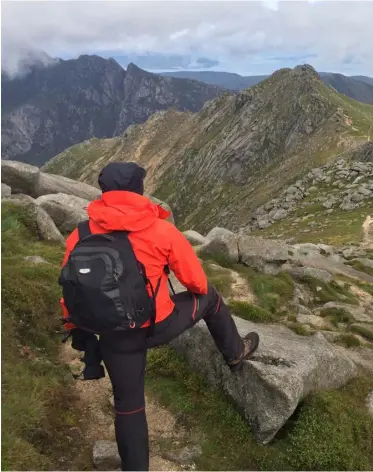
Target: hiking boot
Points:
x,y
251,343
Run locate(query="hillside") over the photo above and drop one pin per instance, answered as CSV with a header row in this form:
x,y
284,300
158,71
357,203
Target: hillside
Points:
x,y
216,167
359,88
302,402
54,107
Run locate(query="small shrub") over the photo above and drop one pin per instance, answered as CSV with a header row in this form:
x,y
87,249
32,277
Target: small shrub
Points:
x,y
218,258
361,267
299,329
337,315
272,291
330,292
347,340
363,331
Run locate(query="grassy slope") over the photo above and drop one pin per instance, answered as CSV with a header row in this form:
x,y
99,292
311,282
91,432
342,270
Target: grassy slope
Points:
x,y
339,228
37,402
329,431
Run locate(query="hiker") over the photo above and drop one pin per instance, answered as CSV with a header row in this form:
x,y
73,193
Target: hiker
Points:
x,y
115,285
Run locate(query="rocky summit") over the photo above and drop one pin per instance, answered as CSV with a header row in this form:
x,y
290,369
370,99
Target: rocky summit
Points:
x,y
241,152
51,108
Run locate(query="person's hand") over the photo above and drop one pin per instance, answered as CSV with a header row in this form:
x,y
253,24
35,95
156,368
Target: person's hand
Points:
x,y
79,339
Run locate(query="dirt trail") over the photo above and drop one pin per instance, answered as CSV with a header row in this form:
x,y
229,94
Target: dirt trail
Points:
x,y
94,399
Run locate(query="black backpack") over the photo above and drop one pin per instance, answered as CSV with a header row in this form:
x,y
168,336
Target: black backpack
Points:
x,y
104,286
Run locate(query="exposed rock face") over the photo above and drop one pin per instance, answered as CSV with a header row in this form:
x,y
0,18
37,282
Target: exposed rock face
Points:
x,y
272,256
67,211
22,178
49,184
195,238
264,255
223,242
28,179
357,313
303,272
185,456
369,402
105,455
36,260
6,191
285,369
64,199
52,108
368,232
47,229
351,186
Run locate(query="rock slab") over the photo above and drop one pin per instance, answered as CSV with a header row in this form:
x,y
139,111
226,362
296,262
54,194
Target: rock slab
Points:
x,y
66,211
28,179
285,369
195,238
47,230
6,191
105,455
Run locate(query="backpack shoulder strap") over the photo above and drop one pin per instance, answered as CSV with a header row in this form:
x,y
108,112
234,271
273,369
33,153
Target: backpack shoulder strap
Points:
x,y
84,230
120,234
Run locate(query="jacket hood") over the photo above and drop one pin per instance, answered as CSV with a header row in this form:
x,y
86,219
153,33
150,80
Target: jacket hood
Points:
x,y
125,176
125,211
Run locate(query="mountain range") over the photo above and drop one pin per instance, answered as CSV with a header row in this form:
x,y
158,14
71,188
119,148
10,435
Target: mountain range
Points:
x,y
51,108
357,87
217,166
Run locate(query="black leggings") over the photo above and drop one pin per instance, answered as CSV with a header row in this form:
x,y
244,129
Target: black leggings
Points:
x,y
124,355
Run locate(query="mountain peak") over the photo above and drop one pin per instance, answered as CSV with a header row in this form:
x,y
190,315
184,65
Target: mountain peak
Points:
x,y
134,70
85,97
306,70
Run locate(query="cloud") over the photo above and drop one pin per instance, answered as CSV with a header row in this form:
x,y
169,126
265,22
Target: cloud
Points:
x,y
242,36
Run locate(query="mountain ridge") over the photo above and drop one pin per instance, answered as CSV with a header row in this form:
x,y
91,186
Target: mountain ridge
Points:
x,y
70,101
357,87
216,166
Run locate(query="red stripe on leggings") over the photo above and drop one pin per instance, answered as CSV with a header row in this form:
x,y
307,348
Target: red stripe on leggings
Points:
x,y
194,308
129,412
218,305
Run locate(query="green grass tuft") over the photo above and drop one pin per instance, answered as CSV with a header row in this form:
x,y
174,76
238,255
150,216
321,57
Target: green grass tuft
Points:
x,y
330,292
250,312
298,328
337,315
361,267
272,291
363,331
347,340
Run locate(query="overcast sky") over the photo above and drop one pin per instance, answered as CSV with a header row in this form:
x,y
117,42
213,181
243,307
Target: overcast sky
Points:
x,y
245,37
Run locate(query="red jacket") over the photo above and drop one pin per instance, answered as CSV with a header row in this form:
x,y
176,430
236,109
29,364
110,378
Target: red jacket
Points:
x,y
156,243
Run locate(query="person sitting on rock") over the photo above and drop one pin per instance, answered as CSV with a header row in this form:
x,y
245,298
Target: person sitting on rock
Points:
x,y
123,215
